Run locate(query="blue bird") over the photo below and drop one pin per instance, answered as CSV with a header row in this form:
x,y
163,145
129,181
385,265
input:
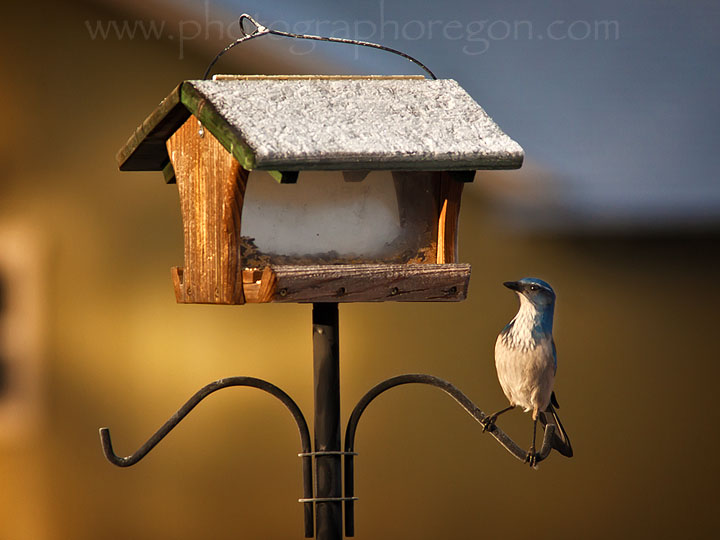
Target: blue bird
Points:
x,y
526,361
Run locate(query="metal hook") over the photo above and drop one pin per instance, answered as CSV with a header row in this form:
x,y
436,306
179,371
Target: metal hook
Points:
x,y
261,30
197,398
307,454
458,396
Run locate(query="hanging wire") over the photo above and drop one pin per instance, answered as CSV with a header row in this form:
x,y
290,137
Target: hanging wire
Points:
x,y
259,30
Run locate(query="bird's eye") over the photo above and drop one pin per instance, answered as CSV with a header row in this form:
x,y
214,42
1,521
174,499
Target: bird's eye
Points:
x,y
534,287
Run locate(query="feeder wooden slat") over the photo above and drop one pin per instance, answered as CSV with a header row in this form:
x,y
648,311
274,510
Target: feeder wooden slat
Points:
x,y
366,283
450,195
211,184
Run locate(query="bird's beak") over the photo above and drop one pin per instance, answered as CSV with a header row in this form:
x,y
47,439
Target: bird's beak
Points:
x,y
514,285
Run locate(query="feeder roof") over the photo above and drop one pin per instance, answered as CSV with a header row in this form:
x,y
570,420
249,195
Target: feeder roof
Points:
x,y
331,123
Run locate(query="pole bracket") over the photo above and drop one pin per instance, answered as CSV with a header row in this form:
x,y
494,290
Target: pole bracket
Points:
x,y
450,389
175,419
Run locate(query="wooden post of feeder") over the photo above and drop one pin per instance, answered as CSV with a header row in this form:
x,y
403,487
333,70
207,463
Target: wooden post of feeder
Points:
x,y
211,184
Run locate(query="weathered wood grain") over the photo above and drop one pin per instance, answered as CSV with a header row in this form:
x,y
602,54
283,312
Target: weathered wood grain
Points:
x,y
268,285
417,195
211,184
176,272
226,134
449,203
369,283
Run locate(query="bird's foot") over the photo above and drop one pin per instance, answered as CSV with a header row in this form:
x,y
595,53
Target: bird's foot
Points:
x,y
488,423
531,457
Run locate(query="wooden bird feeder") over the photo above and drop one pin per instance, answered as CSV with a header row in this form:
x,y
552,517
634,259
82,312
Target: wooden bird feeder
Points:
x,y
322,190
319,189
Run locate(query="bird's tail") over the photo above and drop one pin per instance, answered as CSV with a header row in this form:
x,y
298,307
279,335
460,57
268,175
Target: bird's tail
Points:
x,y
561,441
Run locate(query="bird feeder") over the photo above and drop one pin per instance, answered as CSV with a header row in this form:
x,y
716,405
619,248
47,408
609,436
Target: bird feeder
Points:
x,y
319,188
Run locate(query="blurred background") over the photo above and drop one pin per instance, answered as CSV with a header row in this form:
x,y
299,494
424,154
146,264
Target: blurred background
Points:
x,y
617,206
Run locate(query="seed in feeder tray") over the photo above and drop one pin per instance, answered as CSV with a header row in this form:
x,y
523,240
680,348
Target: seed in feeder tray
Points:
x,y
253,257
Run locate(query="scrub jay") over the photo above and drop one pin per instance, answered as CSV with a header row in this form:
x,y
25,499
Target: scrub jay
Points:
x,y
526,361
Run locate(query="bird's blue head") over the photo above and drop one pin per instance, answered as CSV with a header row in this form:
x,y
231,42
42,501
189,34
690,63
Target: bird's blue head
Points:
x,y
538,292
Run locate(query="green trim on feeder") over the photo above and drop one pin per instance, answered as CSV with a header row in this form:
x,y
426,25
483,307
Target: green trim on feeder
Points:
x,y
145,149
284,177
358,124
169,173
210,119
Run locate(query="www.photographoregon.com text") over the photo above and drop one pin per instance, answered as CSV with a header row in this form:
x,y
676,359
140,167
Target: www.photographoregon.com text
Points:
x,y
474,37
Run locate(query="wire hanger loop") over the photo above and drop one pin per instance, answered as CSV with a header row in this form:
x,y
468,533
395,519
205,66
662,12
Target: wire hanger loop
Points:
x,y
251,29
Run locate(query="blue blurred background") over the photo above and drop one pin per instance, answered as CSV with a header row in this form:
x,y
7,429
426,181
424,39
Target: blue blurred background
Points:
x,y
617,205
615,100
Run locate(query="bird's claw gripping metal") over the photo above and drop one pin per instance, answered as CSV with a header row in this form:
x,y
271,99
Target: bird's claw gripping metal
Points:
x,y
488,423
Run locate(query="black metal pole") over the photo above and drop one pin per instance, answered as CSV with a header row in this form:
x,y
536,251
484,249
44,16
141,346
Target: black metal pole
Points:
x,y
328,470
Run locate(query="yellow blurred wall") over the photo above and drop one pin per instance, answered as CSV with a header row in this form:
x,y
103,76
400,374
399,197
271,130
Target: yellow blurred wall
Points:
x,y
636,326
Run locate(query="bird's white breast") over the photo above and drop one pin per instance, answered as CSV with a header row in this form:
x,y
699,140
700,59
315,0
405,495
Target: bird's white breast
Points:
x,y
525,362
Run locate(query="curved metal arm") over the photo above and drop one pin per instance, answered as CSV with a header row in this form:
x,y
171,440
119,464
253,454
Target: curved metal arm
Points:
x,y
197,398
261,30
458,396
